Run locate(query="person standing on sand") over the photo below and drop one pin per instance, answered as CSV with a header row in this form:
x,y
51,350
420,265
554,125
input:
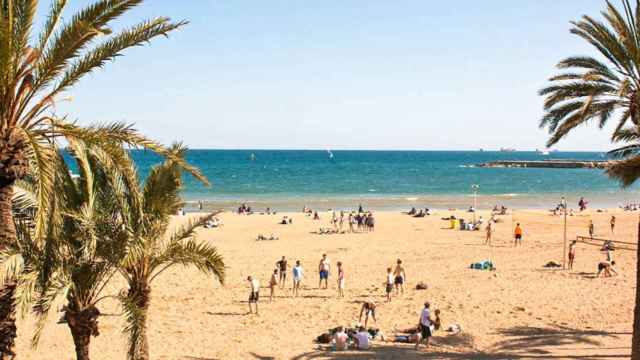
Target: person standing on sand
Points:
x,y
572,254
613,223
282,267
389,284
400,277
517,233
591,229
298,274
273,283
489,229
340,280
254,296
424,325
323,269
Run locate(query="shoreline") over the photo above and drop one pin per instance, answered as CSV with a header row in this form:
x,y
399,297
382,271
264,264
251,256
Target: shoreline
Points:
x,y
404,202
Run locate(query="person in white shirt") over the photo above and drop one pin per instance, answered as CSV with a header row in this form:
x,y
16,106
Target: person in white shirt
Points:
x,y
298,274
389,284
362,339
254,296
424,325
340,339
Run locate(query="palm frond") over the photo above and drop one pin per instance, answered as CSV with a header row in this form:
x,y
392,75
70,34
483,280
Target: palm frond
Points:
x,y
627,171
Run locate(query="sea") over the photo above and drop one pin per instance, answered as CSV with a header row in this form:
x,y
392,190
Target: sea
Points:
x,y
287,180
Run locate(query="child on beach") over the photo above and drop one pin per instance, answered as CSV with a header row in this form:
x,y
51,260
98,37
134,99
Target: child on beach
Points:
x,y
389,284
399,276
323,269
340,280
273,283
254,296
298,274
282,267
517,233
572,254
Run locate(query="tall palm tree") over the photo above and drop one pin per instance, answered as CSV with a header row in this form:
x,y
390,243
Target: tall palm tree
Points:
x,y
153,247
36,69
599,89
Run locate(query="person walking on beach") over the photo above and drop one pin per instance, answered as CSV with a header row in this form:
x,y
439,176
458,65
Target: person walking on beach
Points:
x,y
572,253
282,268
298,274
389,284
254,296
591,229
613,223
424,325
340,280
517,233
273,283
400,277
323,269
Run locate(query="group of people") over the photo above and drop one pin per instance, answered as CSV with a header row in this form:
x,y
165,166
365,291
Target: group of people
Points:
x,y
245,210
361,222
419,213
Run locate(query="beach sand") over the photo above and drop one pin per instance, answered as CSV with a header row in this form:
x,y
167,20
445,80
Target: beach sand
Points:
x,y
521,310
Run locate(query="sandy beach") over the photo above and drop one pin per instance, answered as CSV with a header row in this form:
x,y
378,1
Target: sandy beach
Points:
x,y
520,310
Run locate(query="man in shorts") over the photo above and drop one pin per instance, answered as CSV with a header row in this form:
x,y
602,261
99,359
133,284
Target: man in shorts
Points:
x,y
424,325
368,309
254,296
323,269
517,233
389,284
298,274
282,269
399,275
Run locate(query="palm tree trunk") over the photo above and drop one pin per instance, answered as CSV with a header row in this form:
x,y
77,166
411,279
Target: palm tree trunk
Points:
x,y
139,345
635,342
7,306
83,325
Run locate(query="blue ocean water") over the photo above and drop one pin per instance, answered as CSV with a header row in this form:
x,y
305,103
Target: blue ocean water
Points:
x,y
291,178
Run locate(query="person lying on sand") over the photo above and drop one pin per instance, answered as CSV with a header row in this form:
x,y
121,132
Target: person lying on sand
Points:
x,y
607,268
368,308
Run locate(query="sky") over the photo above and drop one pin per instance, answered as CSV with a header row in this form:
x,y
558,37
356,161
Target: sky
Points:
x,y
419,75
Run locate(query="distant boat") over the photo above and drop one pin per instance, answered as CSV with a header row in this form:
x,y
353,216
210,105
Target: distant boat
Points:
x,y
253,157
330,154
542,152
481,150
507,149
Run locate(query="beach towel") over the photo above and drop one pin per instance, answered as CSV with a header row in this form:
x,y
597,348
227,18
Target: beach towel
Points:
x,y
482,265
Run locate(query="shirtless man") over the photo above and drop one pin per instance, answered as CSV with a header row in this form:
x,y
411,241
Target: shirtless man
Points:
x,y
489,229
323,268
368,308
572,254
607,268
613,223
273,283
282,269
400,277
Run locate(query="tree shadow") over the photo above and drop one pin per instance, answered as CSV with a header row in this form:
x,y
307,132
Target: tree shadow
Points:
x,y
223,313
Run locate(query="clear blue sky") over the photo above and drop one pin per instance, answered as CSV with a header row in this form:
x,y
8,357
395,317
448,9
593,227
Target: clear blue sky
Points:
x,y
342,74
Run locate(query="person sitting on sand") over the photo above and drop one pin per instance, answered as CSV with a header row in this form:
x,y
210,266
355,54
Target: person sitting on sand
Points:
x,y
412,211
424,324
340,280
607,268
389,284
254,296
400,278
368,308
316,216
282,267
517,233
273,283
437,322
298,274
361,338
572,253
323,269
340,339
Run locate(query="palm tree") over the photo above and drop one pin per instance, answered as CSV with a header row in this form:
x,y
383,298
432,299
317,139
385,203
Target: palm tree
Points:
x,y
84,237
36,69
598,89
152,248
